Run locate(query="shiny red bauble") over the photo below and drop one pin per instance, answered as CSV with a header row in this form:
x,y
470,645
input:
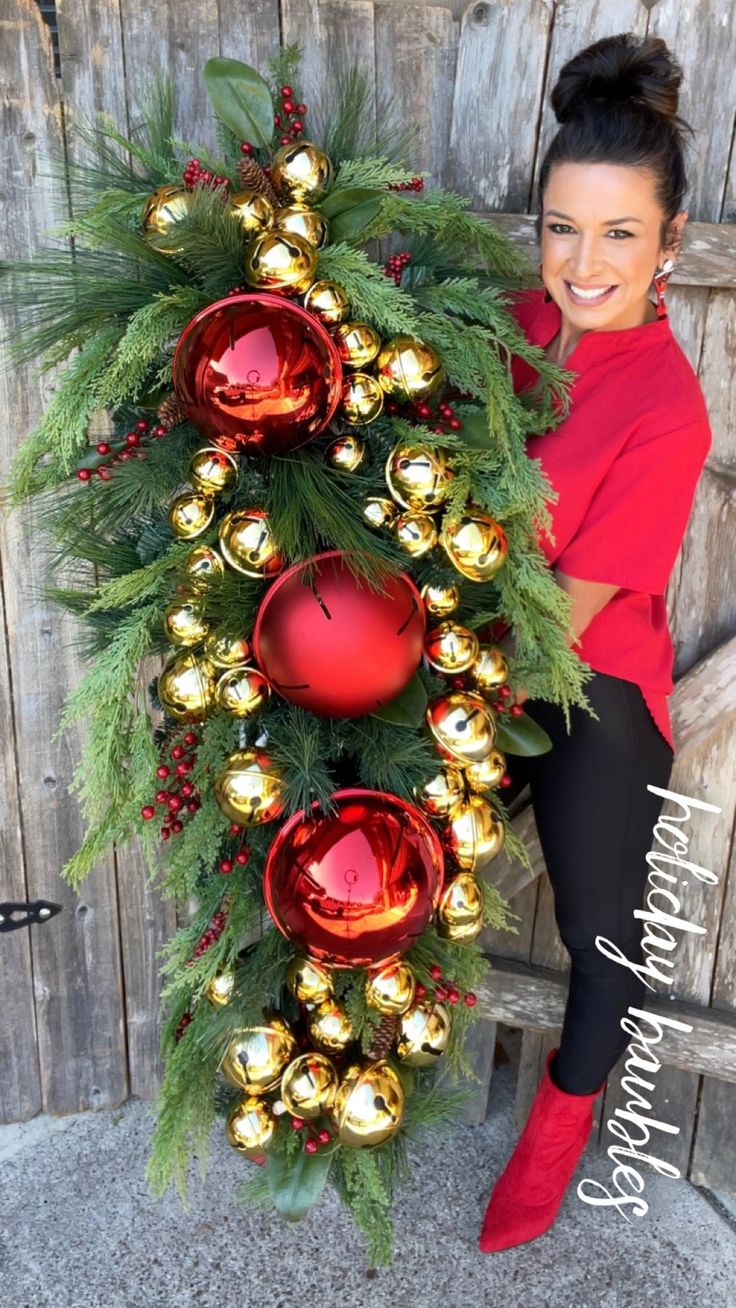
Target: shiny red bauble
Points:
x,y
257,372
355,887
336,646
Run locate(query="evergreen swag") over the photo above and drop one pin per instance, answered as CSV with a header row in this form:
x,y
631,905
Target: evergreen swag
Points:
x,y
111,304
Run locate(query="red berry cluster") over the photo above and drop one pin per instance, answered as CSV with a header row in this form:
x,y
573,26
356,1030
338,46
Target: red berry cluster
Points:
x,y
320,1135
195,175
181,796
207,939
291,116
416,184
242,856
184,1022
447,992
396,265
134,448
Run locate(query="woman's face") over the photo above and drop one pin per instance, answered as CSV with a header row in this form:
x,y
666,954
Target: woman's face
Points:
x,y
601,226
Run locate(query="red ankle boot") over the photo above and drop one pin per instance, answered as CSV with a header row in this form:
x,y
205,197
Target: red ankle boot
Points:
x,y
527,1196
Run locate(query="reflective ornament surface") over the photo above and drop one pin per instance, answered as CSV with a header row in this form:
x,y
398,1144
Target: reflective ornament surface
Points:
x,y
441,601
212,470
257,1055
463,726
308,1085
253,211
450,648
247,543
379,512
300,220
250,788
250,1126
219,990
346,452
301,171
204,564
416,533
329,1026
418,477
354,887
443,794
328,301
163,211
460,910
486,774
424,1032
258,372
280,261
369,1104
361,399
391,988
409,369
490,670
357,344
308,980
190,514
476,545
475,834
184,621
335,646
186,687
242,691
227,649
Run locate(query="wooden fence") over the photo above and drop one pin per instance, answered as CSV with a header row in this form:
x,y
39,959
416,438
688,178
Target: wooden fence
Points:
x,y
79,993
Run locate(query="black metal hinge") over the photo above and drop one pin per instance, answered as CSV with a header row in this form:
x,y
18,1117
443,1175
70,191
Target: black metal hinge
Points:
x,y
13,916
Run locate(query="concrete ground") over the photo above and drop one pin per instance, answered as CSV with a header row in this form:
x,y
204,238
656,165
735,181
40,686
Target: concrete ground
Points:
x,y
79,1230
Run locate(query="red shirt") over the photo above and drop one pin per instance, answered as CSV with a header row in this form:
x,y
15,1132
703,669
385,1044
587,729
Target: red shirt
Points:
x,y
626,462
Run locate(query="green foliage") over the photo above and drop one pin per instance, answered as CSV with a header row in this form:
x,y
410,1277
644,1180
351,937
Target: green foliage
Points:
x,y
240,98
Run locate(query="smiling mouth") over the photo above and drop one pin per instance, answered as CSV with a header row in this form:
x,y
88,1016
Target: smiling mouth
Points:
x,y
588,294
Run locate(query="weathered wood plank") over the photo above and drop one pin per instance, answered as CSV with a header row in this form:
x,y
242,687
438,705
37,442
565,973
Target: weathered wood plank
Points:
x,y
520,995
715,1139
479,1046
335,36
674,1101
76,959
407,39
178,39
249,32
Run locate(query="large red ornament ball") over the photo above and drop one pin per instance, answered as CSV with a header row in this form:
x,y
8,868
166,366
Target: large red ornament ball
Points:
x,y
355,887
257,372
336,646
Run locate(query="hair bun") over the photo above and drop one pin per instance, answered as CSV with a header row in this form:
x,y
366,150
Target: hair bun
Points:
x,y
640,70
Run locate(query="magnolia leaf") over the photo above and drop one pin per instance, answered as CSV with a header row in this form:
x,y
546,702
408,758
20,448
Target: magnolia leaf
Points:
x,y
295,1187
348,197
521,735
241,99
351,222
407,709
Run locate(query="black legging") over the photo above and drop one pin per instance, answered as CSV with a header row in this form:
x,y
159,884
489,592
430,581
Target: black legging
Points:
x,y
595,819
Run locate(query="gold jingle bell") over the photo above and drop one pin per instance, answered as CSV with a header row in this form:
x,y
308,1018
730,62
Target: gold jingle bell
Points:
x,y
346,452
379,512
329,1026
328,301
476,545
203,564
248,545
391,988
184,621
416,533
253,211
309,1085
250,1126
451,648
163,210
308,980
300,171
186,687
219,990
357,343
242,691
443,794
423,1034
249,788
409,369
463,726
212,470
277,261
490,670
460,910
361,399
191,514
369,1104
440,601
475,834
300,219
227,649
486,774
417,477
257,1055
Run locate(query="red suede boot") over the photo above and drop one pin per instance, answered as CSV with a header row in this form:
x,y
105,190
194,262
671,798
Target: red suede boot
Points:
x,y
527,1196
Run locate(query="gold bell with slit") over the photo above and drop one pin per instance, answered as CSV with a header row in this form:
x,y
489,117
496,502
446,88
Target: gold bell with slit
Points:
x,y
309,980
442,795
490,670
257,1055
203,565
247,543
488,773
227,648
300,170
308,223
416,533
328,301
361,399
253,211
162,213
329,1026
476,545
191,514
186,687
184,621
409,369
418,477
390,988
219,990
474,834
250,788
346,452
280,261
212,470
463,726
423,1034
357,343
440,601
460,910
369,1104
242,691
309,1085
379,512
450,648
250,1126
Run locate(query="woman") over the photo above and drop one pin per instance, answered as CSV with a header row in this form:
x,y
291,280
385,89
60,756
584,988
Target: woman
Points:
x,y
625,464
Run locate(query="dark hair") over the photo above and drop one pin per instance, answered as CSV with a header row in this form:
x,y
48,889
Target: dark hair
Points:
x,y
616,102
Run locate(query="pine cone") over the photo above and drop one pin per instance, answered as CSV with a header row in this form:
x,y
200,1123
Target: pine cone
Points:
x,y
171,412
252,178
384,1036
